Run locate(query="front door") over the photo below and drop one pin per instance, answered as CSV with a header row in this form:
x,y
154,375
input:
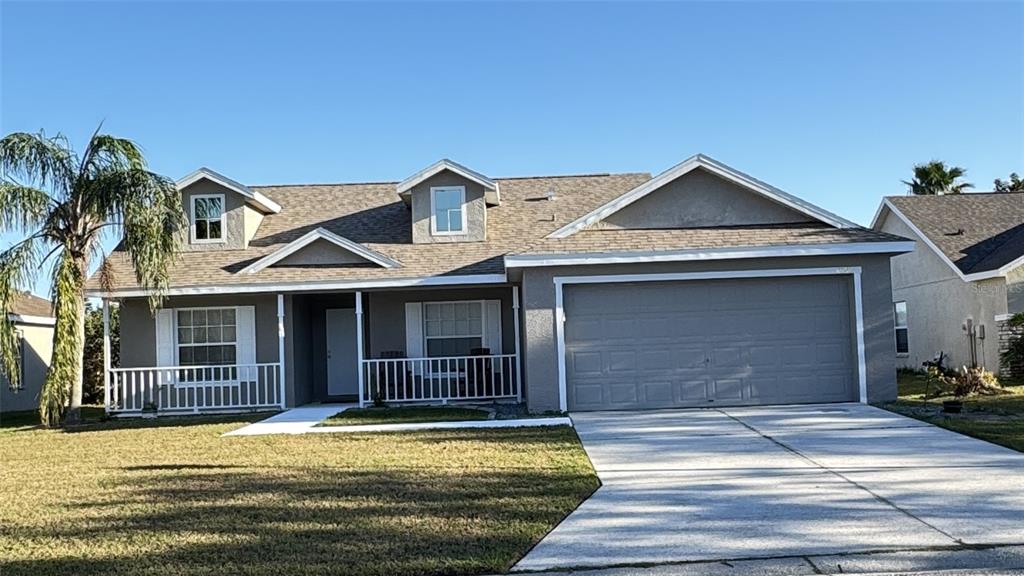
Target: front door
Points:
x,y
342,359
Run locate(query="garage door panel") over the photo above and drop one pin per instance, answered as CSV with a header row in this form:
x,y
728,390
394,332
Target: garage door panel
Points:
x,y
715,342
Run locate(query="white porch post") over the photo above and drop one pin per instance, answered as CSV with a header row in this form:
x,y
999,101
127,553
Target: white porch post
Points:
x,y
359,346
280,350
106,356
519,363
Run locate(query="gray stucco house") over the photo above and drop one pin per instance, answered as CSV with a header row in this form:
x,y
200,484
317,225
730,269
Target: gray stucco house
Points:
x,y
700,286
955,293
33,321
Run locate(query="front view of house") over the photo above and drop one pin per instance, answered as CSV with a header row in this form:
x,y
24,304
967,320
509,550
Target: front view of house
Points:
x,y
700,286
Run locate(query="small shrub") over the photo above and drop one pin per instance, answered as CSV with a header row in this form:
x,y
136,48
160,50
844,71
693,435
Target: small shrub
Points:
x,y
972,381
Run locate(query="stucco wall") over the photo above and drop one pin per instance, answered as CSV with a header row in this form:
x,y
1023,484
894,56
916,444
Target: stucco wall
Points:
x,y
476,210
320,253
540,354
36,359
938,304
234,218
699,199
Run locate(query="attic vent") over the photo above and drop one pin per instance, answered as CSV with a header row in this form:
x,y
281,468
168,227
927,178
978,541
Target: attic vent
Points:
x,y
959,232
550,194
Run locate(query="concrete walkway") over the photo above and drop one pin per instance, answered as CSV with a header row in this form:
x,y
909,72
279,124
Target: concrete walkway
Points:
x,y
294,421
733,484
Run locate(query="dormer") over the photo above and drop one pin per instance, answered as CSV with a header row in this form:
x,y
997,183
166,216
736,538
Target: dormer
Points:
x,y
448,203
222,214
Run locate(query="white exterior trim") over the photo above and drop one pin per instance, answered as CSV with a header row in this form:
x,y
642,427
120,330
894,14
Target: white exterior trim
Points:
x,y
256,198
192,220
359,349
464,220
27,319
107,400
312,236
328,285
561,281
716,168
446,164
280,347
574,259
999,273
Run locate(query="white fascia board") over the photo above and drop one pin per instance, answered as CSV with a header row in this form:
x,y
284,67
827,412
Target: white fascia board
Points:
x,y
715,167
313,236
256,288
27,319
255,197
442,165
578,259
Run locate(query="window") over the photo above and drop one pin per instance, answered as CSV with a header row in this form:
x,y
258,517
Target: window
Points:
x,y
452,328
19,358
447,210
902,342
206,336
208,218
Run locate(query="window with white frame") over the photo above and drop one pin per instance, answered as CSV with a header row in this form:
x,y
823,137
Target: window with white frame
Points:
x,y
208,218
902,333
19,357
452,328
206,336
447,210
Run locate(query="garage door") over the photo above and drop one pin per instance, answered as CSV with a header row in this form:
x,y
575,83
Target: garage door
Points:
x,y
709,343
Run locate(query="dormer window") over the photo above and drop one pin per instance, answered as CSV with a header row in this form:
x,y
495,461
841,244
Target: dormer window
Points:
x,y
447,210
207,218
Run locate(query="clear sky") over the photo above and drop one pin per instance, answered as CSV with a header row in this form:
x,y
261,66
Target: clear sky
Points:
x,y
833,102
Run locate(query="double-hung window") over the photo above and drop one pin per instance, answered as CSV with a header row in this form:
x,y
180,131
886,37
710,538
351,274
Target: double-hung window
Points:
x,y
447,210
207,337
452,328
900,316
208,218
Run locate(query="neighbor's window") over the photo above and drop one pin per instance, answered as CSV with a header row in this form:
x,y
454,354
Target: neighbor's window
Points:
x,y
447,213
902,343
453,328
206,336
208,218
19,357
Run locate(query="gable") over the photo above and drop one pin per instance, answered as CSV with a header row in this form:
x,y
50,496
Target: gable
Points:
x,y
322,253
700,199
321,247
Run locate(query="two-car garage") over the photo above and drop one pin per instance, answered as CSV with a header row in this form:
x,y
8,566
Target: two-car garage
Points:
x,y
709,342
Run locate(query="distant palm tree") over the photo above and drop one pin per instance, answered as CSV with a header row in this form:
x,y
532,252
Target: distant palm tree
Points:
x,y
935,178
1014,184
63,203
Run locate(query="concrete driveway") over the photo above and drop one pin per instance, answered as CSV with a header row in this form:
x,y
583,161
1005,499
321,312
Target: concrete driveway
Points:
x,y
790,481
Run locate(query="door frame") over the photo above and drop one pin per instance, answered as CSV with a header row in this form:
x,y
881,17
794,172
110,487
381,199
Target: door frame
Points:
x,y
562,281
327,347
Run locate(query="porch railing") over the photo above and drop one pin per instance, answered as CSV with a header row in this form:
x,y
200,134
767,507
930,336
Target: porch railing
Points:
x,y
231,388
441,379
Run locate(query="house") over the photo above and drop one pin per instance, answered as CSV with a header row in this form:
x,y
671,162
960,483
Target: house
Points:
x,y
955,293
701,286
33,320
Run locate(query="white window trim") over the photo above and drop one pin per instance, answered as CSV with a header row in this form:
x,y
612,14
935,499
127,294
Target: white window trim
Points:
x,y
192,220
483,323
177,360
433,215
896,326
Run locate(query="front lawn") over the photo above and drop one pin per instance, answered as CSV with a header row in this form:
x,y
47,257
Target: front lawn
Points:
x,y
173,497
403,415
997,418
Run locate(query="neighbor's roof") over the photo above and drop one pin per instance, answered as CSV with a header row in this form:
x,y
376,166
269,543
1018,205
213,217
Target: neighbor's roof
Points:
x,y
373,215
26,304
976,232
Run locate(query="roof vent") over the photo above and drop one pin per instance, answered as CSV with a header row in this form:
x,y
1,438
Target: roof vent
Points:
x,y
959,232
550,194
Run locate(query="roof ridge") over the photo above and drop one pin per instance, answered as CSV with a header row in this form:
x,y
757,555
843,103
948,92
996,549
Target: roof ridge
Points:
x,y
961,195
395,182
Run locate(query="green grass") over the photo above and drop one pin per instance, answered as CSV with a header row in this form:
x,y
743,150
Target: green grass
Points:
x,y
403,415
172,497
30,418
996,418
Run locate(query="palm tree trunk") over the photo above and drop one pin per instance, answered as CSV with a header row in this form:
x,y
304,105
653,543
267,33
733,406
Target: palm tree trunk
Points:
x,y
62,390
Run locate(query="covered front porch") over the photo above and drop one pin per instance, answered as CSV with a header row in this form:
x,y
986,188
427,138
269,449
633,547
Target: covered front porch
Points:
x,y
272,351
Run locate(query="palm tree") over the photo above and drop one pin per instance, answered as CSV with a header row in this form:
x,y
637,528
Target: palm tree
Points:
x,y
63,204
935,178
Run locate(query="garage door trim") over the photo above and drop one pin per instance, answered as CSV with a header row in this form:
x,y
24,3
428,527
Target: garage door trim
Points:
x,y
561,281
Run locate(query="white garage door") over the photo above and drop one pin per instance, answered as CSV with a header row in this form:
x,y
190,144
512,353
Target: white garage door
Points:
x,y
709,343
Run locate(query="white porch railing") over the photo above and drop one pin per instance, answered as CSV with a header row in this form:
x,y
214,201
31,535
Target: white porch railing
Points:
x,y
233,388
489,377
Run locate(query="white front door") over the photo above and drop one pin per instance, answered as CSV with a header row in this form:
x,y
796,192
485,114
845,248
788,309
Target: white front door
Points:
x,y
342,357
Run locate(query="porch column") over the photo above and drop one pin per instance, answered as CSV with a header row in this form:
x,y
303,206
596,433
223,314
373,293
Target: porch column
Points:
x,y
359,345
106,356
515,323
280,350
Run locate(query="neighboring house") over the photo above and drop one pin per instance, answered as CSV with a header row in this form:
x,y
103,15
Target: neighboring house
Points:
x,y
33,320
955,293
698,287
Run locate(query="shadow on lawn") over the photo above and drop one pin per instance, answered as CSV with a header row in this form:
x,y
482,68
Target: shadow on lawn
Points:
x,y
272,521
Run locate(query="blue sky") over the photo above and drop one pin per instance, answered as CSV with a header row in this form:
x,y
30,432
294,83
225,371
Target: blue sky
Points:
x,y
833,102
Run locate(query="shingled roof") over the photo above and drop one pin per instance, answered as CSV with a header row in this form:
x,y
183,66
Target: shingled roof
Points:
x,y
977,232
26,304
373,215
